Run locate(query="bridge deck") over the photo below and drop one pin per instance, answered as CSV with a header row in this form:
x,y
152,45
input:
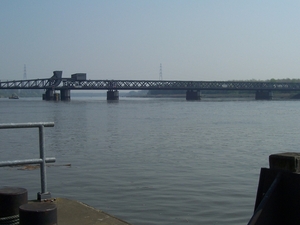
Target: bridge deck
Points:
x,y
69,84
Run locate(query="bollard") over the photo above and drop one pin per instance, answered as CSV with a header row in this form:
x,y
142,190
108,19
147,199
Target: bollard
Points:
x,y
11,198
278,196
40,213
287,161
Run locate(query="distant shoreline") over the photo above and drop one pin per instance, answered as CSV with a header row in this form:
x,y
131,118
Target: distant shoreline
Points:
x,y
132,94
225,96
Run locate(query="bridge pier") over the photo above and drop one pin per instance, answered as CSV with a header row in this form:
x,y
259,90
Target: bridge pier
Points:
x,y
192,95
50,95
112,95
263,95
65,95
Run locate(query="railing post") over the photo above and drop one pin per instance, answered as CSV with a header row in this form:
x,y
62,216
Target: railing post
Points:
x,y
42,156
44,194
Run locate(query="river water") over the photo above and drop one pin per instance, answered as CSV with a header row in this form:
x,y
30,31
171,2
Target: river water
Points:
x,y
152,161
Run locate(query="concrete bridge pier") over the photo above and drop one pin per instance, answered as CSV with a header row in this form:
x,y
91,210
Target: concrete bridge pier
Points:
x,y
192,95
263,95
50,95
65,95
112,95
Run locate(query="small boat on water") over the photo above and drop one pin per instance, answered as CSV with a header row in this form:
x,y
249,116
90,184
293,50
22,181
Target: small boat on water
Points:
x,y
13,96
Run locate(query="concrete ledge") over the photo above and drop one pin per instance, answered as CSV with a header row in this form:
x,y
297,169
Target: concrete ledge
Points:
x,y
289,161
71,212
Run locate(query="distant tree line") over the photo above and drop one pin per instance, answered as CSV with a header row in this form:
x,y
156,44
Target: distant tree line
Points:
x,y
5,93
203,92
231,92
284,80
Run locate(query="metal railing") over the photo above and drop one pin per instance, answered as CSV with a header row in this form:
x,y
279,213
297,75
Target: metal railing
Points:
x,y
44,194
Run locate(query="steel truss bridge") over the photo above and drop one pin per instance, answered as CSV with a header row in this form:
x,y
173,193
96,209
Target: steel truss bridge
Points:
x,y
79,82
67,83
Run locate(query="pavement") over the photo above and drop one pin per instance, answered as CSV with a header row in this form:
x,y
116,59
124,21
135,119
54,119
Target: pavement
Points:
x,y
70,212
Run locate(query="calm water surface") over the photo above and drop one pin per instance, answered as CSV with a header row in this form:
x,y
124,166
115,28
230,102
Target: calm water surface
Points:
x,y
152,161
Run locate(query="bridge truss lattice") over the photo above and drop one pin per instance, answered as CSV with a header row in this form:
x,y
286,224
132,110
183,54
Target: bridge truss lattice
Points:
x,y
67,83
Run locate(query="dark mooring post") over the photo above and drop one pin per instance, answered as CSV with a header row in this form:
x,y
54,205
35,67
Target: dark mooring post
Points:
x,y
278,193
192,95
112,95
41,213
11,198
263,95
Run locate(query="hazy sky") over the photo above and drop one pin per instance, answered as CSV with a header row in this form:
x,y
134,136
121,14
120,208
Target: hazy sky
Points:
x,y
118,39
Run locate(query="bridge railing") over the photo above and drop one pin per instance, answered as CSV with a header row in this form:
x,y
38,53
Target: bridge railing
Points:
x,y
42,160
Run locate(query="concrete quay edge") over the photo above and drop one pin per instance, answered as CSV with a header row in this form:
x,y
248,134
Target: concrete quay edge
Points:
x,y
71,212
